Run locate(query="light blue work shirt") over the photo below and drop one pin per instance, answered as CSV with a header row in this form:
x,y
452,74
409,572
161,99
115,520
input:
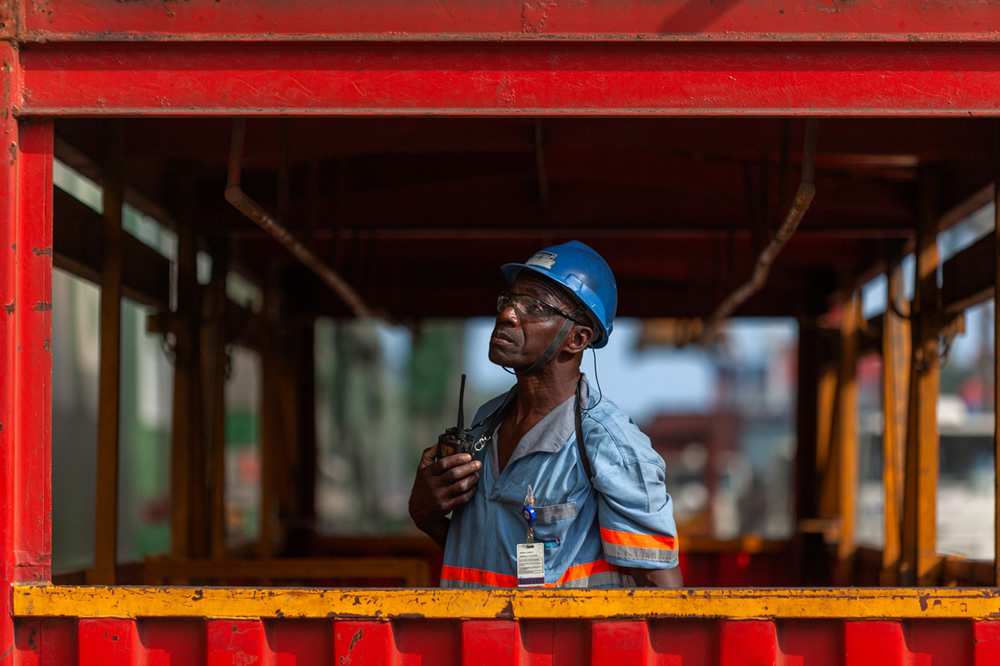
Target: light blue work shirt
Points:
x,y
621,517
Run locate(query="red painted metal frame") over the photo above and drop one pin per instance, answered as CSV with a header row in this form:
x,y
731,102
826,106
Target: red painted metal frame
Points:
x,y
535,78
25,357
681,642
903,20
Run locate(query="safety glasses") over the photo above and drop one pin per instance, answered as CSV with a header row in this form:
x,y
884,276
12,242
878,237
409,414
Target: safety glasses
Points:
x,y
531,308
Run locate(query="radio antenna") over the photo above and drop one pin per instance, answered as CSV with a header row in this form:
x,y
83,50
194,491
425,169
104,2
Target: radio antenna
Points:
x,y
461,404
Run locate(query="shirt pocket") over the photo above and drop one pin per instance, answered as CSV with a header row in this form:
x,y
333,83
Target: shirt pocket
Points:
x,y
552,522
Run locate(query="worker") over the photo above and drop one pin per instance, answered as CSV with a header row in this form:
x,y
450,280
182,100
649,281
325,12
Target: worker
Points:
x,y
560,488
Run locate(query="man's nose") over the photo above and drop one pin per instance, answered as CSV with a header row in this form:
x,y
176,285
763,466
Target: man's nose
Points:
x,y
508,315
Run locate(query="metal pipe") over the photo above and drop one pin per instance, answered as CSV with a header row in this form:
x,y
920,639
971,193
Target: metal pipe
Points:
x,y
803,197
243,203
996,358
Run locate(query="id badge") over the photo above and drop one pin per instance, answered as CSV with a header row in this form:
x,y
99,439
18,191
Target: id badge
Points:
x,y
530,564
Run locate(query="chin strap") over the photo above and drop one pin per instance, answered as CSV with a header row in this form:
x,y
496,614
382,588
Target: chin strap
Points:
x,y
551,349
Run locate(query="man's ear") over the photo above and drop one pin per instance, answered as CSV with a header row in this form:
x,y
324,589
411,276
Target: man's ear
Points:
x,y
579,338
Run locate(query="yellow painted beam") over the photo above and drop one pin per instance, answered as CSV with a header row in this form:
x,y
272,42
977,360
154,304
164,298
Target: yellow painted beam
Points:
x,y
847,438
735,604
895,379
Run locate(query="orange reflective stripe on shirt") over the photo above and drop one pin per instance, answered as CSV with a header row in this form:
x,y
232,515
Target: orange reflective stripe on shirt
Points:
x,y
478,576
638,540
587,570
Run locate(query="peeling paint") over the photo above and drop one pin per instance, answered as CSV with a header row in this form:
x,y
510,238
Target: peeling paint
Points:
x,y
9,308
42,306
507,613
534,18
47,344
13,153
42,251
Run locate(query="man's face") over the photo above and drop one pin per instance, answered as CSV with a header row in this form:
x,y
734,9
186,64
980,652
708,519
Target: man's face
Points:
x,y
520,336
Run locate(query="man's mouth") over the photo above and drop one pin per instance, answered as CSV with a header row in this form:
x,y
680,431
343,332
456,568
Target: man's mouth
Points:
x,y
500,336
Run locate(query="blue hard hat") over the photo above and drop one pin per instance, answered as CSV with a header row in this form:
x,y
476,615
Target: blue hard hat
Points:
x,y
585,274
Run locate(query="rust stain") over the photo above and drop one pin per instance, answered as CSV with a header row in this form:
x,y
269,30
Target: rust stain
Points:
x,y
47,344
355,639
507,612
13,153
534,18
9,308
42,251
42,306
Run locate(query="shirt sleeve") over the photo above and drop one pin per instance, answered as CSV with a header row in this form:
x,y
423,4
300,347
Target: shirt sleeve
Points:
x,y
635,512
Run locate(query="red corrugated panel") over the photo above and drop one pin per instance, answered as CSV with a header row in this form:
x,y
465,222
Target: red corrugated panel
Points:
x,y
406,642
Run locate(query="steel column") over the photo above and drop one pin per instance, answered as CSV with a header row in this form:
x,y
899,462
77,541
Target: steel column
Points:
x,y
214,342
847,438
106,537
895,352
996,360
185,428
25,344
919,555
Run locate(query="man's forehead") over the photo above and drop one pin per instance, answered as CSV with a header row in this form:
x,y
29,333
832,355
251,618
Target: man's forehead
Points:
x,y
531,283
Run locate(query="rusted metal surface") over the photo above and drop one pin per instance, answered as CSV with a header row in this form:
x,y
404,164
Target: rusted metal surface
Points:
x,y
520,78
315,603
243,203
750,19
919,543
106,523
895,380
847,438
762,266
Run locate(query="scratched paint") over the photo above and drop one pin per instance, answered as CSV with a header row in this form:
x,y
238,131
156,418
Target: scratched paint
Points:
x,y
736,604
721,19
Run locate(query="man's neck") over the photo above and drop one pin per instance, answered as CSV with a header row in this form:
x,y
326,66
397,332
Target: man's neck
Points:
x,y
541,392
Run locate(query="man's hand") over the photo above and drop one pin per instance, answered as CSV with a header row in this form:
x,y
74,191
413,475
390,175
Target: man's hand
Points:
x,y
440,487
662,578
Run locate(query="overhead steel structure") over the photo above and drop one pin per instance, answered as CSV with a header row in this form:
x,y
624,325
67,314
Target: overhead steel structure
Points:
x,y
383,141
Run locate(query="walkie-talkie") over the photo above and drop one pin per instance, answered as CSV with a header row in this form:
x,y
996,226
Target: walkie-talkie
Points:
x,y
457,439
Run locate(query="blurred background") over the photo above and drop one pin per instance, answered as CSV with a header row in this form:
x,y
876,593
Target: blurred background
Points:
x,y
722,418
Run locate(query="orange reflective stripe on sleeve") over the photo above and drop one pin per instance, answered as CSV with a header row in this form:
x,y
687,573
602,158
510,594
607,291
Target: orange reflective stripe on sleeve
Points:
x,y
638,540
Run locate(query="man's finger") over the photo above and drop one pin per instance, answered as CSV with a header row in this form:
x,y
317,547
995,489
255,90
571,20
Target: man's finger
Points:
x,y
462,471
460,500
454,460
465,484
428,456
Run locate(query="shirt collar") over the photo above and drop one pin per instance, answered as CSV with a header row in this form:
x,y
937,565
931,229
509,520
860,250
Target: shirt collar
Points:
x,y
548,435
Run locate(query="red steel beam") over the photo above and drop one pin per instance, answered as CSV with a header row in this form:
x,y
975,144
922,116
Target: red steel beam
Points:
x,y
724,19
25,350
534,77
